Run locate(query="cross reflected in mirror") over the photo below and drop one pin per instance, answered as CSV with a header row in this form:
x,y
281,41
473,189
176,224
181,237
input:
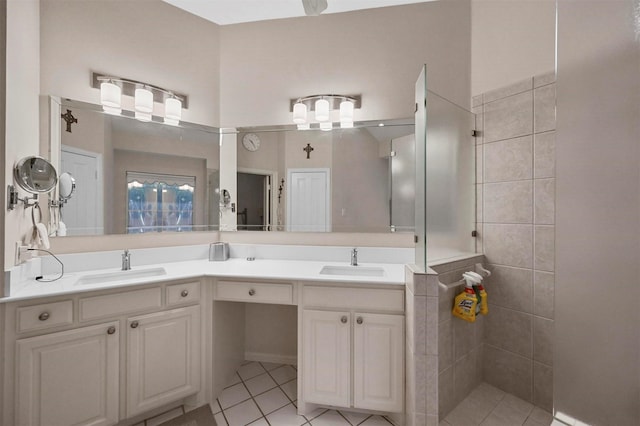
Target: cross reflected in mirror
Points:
x,y
308,150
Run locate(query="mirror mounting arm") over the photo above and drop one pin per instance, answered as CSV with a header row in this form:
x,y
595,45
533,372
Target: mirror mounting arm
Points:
x,y
13,198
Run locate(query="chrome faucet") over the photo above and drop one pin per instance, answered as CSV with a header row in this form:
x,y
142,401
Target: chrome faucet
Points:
x,y
126,260
354,257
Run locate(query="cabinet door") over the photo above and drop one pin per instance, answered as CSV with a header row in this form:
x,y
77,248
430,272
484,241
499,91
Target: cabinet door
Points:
x,y
378,362
163,358
69,378
326,357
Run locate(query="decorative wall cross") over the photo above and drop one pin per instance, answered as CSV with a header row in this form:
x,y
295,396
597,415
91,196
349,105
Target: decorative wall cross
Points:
x,y
308,150
70,119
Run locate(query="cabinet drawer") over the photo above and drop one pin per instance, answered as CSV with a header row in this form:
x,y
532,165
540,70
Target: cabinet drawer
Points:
x,y
378,299
109,305
179,294
240,291
44,316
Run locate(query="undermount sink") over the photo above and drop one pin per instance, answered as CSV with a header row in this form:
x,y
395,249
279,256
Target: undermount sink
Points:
x,y
353,271
131,274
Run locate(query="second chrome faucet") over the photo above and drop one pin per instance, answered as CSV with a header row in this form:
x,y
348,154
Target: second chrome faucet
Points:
x,y
354,257
126,260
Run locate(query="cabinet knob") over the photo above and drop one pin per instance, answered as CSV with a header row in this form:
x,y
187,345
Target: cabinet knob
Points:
x,y
134,324
184,293
111,330
359,320
252,292
44,316
343,319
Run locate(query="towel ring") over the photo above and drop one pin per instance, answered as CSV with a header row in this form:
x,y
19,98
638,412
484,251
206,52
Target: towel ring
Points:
x,y
33,213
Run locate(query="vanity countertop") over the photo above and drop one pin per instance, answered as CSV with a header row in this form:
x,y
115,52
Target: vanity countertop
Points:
x,y
234,268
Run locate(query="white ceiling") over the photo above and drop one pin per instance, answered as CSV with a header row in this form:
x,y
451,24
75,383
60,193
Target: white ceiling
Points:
x,y
225,12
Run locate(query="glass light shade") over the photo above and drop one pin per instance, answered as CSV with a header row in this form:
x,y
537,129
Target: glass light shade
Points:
x,y
172,109
346,111
110,95
322,110
112,111
299,113
346,124
143,116
326,126
144,101
171,121
305,126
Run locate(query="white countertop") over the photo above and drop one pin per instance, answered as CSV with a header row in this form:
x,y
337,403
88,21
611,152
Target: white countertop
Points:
x,y
268,269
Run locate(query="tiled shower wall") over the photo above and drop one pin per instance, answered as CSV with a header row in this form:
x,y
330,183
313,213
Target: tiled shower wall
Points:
x,y
516,209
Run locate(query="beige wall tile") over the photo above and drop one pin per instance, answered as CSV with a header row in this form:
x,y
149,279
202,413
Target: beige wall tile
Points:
x,y
544,201
543,293
465,379
509,159
511,288
544,155
543,386
432,317
509,117
512,89
431,386
509,372
480,321
446,398
510,330
544,237
544,108
476,101
421,383
445,345
509,245
464,338
543,340
544,79
445,304
508,202
420,324
480,238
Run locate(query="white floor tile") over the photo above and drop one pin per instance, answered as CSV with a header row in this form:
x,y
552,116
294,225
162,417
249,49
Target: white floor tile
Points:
x,y
376,421
291,389
242,414
220,421
330,418
541,416
165,417
250,370
315,413
233,395
259,422
469,412
355,418
284,374
272,400
260,384
286,416
531,422
234,380
215,408
270,365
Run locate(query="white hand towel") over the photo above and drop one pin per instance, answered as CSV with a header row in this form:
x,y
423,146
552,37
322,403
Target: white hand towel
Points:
x,y
62,229
43,236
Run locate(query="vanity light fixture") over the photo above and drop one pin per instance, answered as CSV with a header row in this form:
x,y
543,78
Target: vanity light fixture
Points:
x,y
323,106
113,88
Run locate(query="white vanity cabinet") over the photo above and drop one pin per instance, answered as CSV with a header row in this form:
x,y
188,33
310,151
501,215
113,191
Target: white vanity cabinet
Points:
x,y
106,356
69,377
353,347
163,358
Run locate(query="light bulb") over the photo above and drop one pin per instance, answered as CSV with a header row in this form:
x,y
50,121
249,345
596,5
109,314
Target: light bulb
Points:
x,y
299,113
346,111
143,101
305,126
346,124
143,116
322,110
110,95
112,111
173,109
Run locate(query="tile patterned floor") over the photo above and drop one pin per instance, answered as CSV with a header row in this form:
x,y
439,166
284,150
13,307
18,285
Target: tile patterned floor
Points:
x,y
489,406
265,394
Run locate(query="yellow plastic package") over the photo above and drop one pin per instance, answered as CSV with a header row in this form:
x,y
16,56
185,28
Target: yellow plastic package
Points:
x,y
465,304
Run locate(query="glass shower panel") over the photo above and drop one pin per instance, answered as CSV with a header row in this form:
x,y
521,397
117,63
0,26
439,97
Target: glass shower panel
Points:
x,y
449,178
403,183
421,142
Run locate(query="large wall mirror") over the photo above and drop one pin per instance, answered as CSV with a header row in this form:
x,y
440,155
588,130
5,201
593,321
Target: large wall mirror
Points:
x,y
136,177
357,179
131,176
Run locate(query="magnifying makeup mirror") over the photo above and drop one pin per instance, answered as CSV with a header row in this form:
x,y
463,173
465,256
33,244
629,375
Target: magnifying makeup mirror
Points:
x,y
66,187
35,175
